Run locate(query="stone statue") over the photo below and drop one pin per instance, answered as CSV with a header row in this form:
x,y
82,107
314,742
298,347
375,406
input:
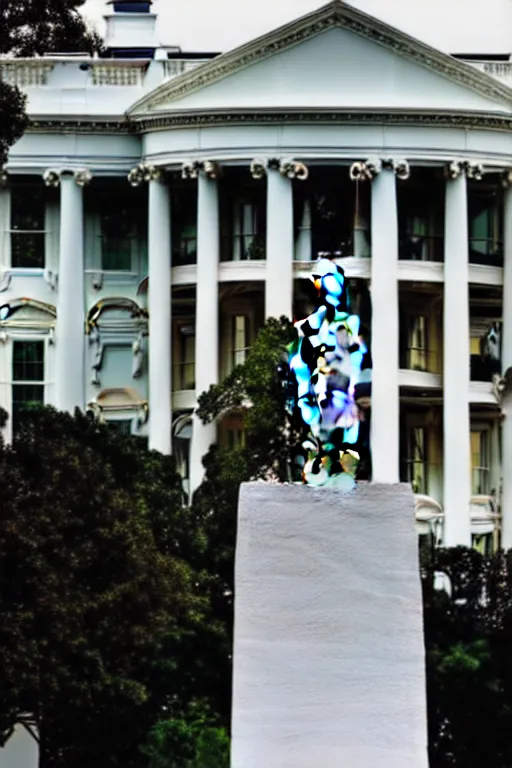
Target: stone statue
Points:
x,y
330,364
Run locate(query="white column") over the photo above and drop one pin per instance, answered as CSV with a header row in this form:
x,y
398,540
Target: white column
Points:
x,y
280,249
69,332
160,320
456,439
384,438
506,363
207,317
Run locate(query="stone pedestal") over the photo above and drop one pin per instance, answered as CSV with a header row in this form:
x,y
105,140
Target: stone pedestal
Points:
x,y
329,664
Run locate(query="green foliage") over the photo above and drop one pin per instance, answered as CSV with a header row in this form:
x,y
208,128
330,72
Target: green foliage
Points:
x,y
193,741
13,120
35,27
98,601
271,434
469,659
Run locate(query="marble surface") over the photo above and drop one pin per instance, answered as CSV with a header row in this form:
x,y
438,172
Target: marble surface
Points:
x,y
329,666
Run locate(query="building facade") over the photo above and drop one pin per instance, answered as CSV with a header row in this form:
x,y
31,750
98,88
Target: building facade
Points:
x,y
163,204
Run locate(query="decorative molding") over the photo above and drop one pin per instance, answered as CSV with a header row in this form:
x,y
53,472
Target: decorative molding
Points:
x,y
51,278
336,14
138,356
502,385
191,169
471,168
58,125
83,176
5,281
53,176
259,168
506,178
369,169
144,173
421,118
287,166
97,281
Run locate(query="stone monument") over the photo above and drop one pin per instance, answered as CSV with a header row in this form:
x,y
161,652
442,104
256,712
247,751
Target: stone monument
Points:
x,y
329,659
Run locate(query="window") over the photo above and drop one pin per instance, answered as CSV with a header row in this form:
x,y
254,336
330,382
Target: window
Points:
x,y
28,227
185,369
184,227
480,462
118,239
417,353
240,337
484,229
122,426
416,459
27,376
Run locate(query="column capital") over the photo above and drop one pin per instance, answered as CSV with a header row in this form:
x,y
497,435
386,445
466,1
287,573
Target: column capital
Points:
x,y
53,176
191,169
368,169
505,178
286,166
455,168
144,173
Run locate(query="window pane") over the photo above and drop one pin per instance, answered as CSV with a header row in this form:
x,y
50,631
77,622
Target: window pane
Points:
x,y
240,345
116,254
27,207
124,427
28,361
27,250
25,396
118,233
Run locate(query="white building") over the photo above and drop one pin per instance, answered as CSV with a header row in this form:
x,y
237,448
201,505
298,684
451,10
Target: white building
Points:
x,y
133,297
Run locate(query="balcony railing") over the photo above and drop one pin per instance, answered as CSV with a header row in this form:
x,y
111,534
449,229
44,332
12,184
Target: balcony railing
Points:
x,y
184,377
247,247
28,249
501,70
486,251
421,248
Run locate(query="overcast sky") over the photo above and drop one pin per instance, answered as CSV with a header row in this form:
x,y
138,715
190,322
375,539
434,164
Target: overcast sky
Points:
x,y
455,26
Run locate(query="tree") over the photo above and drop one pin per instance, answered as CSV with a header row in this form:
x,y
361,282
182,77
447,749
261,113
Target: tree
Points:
x,y
273,429
468,636
196,741
33,28
13,119
97,588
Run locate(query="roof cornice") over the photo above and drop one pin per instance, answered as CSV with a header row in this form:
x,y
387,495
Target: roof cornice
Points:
x,y
314,116
335,14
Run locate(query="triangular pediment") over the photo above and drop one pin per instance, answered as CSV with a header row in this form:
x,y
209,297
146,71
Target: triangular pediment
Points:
x,y
336,57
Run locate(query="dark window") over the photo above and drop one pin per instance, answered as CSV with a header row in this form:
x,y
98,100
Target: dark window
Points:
x,y
122,426
27,367
28,361
28,227
118,236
